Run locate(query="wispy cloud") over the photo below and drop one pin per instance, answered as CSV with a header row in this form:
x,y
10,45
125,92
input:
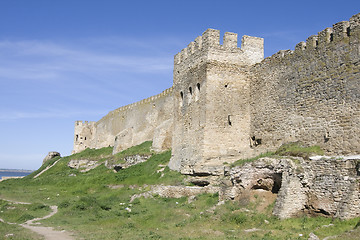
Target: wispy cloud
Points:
x,y
16,115
42,60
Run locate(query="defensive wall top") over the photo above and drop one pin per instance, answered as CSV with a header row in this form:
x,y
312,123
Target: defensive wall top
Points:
x,y
341,31
251,51
148,100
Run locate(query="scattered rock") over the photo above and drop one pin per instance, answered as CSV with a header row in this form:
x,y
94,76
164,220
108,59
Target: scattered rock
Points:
x,y
312,236
128,162
192,199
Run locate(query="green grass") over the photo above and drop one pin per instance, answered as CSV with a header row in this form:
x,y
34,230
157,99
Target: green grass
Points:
x,y
298,149
93,154
93,210
241,162
20,213
143,149
15,232
295,149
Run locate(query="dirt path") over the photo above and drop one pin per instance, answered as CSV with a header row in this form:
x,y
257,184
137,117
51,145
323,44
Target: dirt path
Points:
x,y
48,232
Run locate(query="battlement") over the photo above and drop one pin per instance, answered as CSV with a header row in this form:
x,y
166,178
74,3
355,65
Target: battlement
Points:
x,y
164,93
345,31
84,123
251,51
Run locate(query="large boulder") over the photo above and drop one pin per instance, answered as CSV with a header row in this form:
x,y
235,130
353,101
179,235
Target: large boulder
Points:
x,y
50,156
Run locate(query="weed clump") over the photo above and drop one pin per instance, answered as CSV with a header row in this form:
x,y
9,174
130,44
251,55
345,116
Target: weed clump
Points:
x,y
298,149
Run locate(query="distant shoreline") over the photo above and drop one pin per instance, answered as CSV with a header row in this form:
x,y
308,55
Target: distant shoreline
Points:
x,y
16,170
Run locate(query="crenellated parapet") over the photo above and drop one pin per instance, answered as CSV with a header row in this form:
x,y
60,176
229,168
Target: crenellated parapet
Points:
x,y
346,32
207,48
148,100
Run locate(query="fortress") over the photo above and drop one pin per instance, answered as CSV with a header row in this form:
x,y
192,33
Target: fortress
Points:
x,y
228,103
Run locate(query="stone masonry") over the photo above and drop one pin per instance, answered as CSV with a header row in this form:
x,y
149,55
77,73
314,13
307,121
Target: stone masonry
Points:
x,y
228,102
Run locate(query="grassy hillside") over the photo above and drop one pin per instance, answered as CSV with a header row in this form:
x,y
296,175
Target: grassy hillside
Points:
x,y
96,205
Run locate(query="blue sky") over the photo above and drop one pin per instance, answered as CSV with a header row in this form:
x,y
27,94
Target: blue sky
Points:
x,y
63,60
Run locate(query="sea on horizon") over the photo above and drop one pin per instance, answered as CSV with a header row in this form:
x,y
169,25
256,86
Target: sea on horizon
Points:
x,y
14,173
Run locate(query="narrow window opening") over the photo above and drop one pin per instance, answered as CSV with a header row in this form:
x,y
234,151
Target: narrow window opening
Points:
x,y
331,37
190,90
317,43
229,120
198,86
85,138
326,137
77,137
226,85
348,31
182,99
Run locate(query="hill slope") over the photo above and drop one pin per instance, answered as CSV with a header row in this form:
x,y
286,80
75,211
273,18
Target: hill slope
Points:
x,y
100,203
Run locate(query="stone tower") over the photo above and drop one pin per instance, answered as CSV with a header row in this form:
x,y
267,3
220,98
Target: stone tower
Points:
x,y
211,102
83,136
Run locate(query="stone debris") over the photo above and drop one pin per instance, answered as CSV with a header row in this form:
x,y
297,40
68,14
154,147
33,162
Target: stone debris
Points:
x,y
128,162
83,165
175,191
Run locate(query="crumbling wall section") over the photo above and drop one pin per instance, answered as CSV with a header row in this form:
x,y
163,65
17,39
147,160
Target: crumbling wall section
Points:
x,y
311,94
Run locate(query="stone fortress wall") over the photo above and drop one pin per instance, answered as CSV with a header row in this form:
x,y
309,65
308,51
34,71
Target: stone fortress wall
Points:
x,y
311,94
228,103
147,120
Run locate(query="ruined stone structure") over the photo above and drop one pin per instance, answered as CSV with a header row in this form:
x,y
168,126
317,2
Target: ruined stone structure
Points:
x,y
228,102
327,186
